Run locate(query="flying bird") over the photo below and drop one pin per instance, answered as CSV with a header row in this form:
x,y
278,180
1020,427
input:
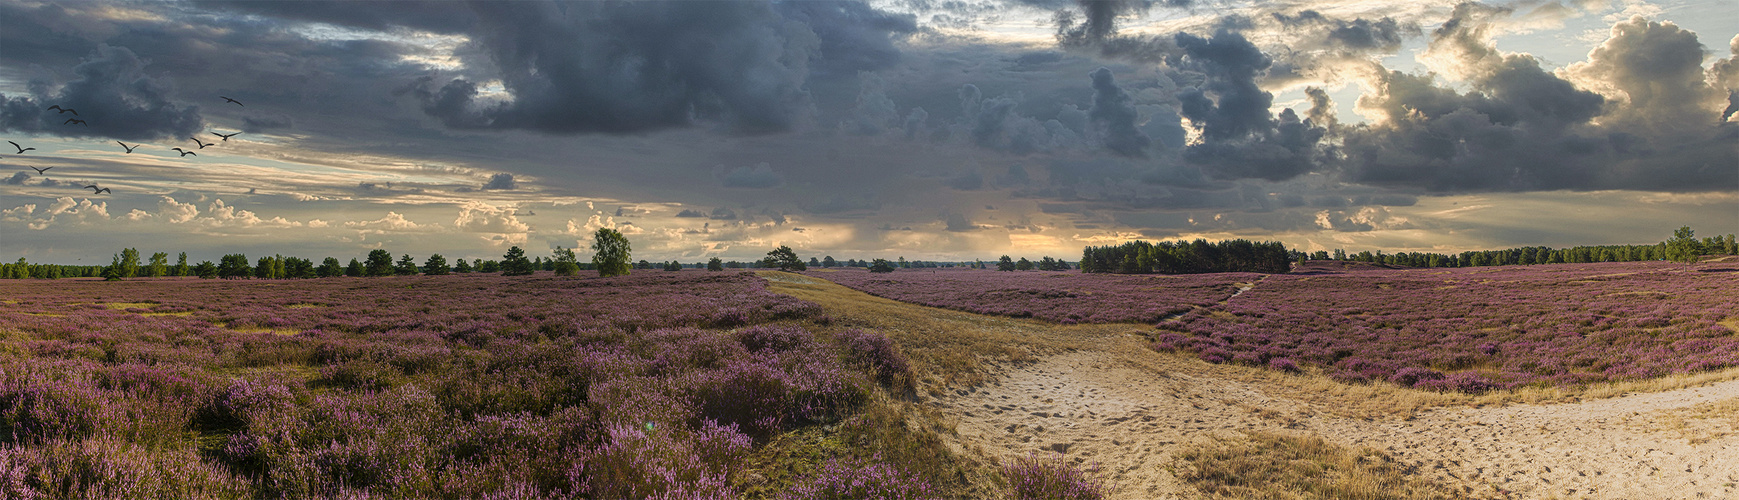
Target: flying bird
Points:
x,y
124,145
39,171
238,103
96,190
225,137
21,149
202,145
185,152
75,121
63,110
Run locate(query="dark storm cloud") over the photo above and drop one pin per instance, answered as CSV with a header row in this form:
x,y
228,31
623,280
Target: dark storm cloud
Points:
x,y
264,122
722,213
959,223
757,177
1360,35
500,182
17,179
441,16
968,181
691,213
112,94
1239,137
1522,127
1112,110
642,66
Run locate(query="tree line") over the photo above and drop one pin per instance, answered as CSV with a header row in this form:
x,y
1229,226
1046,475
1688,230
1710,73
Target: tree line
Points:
x,y
1187,257
1684,246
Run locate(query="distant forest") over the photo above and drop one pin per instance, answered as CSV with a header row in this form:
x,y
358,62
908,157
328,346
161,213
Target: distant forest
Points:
x,y
1137,257
1187,257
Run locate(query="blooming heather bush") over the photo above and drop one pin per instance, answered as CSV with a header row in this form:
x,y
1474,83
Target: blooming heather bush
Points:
x,y
1051,478
1476,329
876,351
404,387
1069,296
849,479
640,462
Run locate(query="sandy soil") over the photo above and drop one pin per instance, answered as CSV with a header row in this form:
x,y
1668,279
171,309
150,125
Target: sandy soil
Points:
x,y
1119,410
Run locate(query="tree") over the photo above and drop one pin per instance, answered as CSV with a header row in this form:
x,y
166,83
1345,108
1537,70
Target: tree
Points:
x,y
330,268
642,265
159,265
1004,263
181,268
673,266
205,270
462,267
566,263
829,262
355,269
406,266
813,262
1023,265
612,252
234,266
129,263
714,264
515,263
903,263
299,268
1684,246
881,266
267,269
489,266
379,263
113,271
435,266
785,259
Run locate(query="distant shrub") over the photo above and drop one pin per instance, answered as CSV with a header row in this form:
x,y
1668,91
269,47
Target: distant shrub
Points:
x,y
850,479
1051,478
773,338
876,351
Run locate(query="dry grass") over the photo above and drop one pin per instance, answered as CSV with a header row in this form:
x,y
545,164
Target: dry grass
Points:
x,y
121,306
1731,324
1701,423
259,329
1263,465
304,306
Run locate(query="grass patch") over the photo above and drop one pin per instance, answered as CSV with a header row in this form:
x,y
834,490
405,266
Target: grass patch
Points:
x,y
884,428
304,305
121,306
1731,323
260,329
1273,466
50,315
1701,423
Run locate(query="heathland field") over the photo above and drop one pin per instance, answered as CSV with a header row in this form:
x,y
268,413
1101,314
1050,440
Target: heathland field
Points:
x,y
1612,380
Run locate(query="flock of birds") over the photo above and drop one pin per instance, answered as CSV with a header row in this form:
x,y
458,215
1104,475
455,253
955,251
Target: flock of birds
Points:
x,y
76,121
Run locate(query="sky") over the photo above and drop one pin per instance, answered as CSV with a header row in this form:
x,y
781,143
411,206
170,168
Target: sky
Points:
x,y
923,129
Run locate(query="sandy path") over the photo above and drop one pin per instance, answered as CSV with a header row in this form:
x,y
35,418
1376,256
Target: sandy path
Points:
x,y
1118,411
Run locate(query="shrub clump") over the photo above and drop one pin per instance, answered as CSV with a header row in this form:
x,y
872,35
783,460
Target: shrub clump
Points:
x,y
849,479
1051,478
876,351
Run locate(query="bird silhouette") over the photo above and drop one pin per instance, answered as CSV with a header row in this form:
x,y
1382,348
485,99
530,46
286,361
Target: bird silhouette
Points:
x,y
185,152
225,137
39,171
75,121
21,149
96,190
238,103
124,145
63,110
202,145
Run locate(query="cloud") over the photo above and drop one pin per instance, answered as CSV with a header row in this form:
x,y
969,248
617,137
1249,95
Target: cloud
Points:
x,y
17,179
722,213
176,212
959,223
1650,122
643,66
502,181
253,123
691,213
874,112
1112,110
112,94
392,222
499,223
761,176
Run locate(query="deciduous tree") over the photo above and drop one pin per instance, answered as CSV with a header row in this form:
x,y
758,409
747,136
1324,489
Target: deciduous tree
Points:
x,y
612,252
785,259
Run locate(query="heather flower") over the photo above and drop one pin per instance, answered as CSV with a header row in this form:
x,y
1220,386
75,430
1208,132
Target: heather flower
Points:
x,y
1052,478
